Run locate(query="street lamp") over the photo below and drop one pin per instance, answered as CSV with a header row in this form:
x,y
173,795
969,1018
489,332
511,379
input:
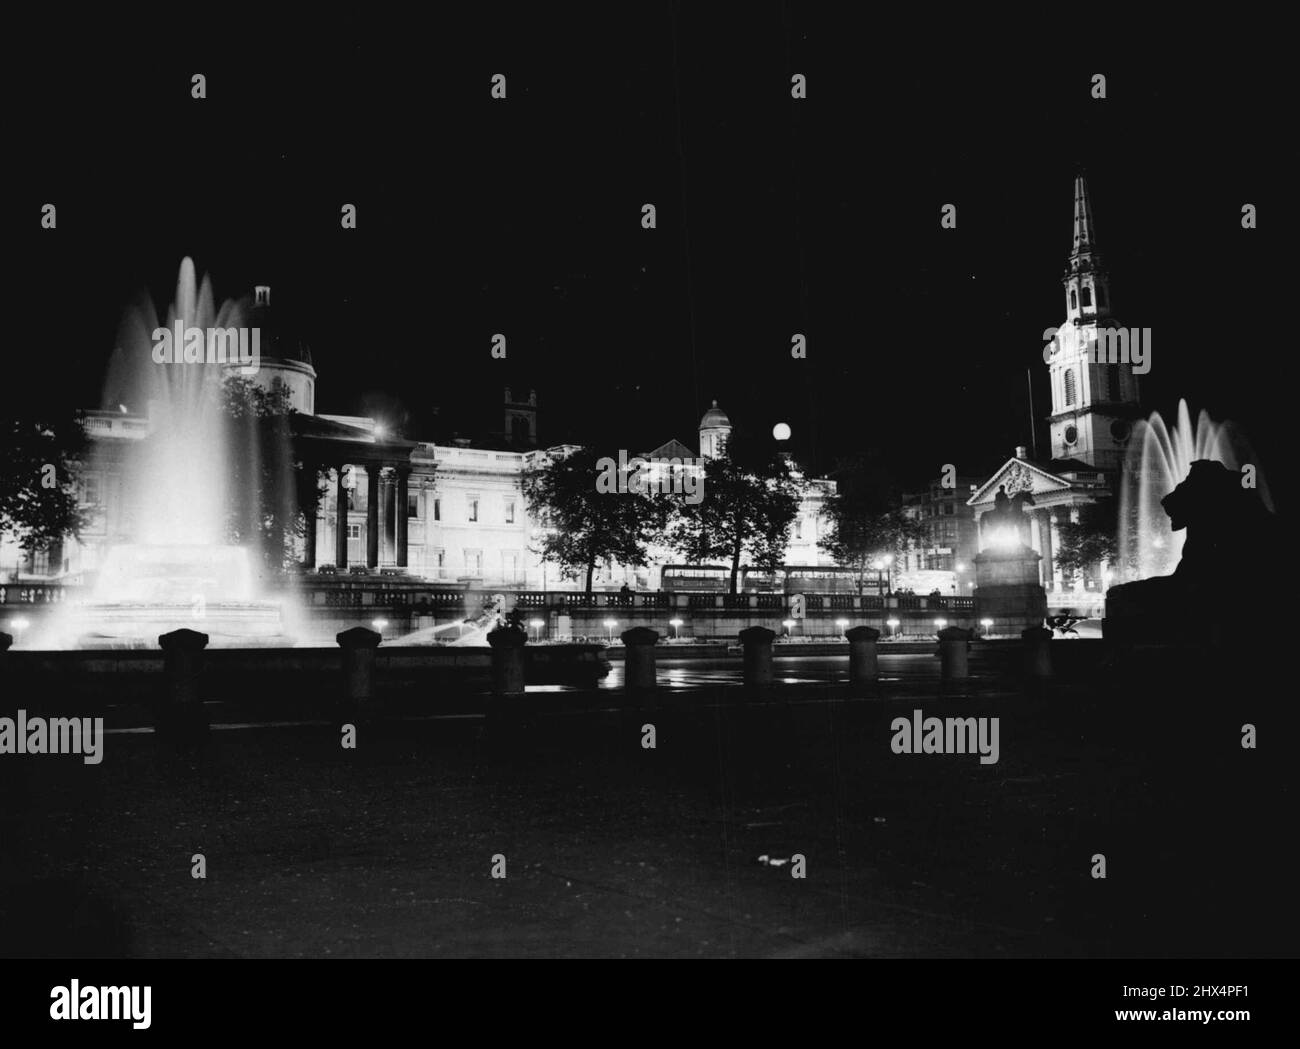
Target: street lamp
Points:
x,y
674,623
610,624
893,626
987,624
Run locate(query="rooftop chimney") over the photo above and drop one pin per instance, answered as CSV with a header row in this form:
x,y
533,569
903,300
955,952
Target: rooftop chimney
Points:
x,y
1020,452
262,295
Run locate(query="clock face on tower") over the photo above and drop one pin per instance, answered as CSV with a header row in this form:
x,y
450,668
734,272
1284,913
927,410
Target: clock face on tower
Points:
x,y
1071,434
1120,430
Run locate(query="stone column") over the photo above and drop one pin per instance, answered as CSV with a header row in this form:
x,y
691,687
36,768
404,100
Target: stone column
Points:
x,y
358,645
952,653
341,522
182,717
758,671
863,669
309,535
639,660
372,515
385,517
401,521
1048,551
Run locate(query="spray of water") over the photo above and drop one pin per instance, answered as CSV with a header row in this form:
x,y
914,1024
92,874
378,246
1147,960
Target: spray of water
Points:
x,y
1159,459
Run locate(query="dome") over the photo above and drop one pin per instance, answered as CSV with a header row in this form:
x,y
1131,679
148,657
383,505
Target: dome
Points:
x,y
275,340
715,417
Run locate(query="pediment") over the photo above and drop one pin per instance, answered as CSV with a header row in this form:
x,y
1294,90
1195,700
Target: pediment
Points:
x,y
1019,476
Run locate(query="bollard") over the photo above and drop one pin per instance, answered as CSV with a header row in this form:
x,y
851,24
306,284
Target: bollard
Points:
x,y
952,652
758,657
863,669
1038,652
182,717
639,661
358,645
507,660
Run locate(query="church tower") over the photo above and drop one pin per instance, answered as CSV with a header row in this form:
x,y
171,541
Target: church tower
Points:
x,y
1094,398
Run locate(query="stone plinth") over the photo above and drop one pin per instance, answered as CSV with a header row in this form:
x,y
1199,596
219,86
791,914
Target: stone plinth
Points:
x,y
1007,590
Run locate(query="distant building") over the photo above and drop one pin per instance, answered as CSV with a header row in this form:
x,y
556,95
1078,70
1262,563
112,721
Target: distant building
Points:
x,y
951,539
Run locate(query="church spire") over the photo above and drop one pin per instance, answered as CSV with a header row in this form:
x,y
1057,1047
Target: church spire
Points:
x,y
1084,236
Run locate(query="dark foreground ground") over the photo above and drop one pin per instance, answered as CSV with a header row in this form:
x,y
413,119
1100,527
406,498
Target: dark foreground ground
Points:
x,y
615,850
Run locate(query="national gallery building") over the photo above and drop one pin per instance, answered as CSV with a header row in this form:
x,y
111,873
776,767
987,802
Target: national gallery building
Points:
x,y
452,513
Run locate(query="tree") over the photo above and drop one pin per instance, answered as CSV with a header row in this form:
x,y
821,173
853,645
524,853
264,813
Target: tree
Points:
x,y
862,535
866,521
749,500
1084,544
38,481
582,526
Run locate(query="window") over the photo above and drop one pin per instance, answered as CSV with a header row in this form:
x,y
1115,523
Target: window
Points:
x,y
437,509
1074,300
92,490
412,504
474,562
440,560
354,531
510,512
1069,387
1087,296
473,509
798,528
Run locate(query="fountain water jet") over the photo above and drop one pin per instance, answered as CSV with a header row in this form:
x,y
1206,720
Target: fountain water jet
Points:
x,y
1159,459
169,564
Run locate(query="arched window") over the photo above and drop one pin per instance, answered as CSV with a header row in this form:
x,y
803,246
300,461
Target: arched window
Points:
x,y
1074,300
1087,296
1069,387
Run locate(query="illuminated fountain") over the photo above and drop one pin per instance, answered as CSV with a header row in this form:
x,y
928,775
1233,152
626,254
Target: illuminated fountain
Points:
x,y
1159,459
169,564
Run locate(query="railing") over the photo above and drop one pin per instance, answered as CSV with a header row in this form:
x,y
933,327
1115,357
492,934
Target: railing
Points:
x,y
31,593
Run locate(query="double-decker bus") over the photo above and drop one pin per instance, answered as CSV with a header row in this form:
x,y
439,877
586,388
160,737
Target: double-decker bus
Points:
x,y
789,579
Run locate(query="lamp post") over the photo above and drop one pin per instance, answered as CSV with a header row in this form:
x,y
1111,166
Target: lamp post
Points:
x,y
893,627
675,623
987,624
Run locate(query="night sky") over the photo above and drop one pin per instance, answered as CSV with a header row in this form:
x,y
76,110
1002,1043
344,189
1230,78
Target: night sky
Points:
x,y
774,216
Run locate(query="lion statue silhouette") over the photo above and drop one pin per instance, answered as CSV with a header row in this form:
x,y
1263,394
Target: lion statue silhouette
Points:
x,y
1227,527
